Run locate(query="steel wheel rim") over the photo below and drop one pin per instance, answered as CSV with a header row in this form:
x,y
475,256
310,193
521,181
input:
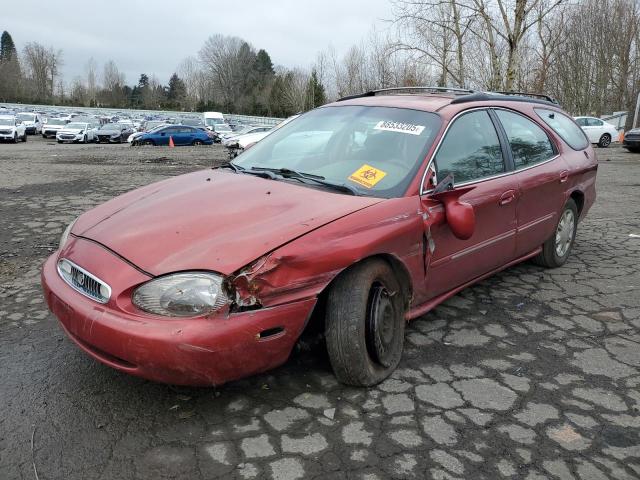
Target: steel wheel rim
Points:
x,y
380,325
564,233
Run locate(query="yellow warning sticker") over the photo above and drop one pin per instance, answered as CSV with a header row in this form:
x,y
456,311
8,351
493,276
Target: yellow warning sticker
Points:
x,y
367,176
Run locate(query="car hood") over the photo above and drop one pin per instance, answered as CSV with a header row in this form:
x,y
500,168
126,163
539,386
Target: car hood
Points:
x,y
211,220
72,130
108,131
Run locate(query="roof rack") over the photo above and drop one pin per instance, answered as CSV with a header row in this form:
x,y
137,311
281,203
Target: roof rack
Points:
x,y
507,96
373,93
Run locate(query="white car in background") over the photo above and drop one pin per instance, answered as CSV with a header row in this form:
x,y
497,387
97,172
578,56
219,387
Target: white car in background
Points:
x,y
238,144
598,131
245,131
80,132
52,126
12,129
32,122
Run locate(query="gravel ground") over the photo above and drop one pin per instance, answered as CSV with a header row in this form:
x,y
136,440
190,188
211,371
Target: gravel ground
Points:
x,y
530,374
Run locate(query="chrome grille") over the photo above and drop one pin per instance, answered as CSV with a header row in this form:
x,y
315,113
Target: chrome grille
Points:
x,y
84,282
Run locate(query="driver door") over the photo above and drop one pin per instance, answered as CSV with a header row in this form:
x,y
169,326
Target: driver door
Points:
x,y
471,150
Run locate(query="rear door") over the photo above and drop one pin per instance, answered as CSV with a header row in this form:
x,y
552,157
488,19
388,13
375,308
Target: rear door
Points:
x,y
471,150
540,175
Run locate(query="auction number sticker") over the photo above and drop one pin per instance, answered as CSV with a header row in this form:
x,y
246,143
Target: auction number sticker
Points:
x,y
399,127
367,176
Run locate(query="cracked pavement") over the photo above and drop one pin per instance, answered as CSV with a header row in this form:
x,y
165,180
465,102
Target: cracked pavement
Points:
x,y
529,374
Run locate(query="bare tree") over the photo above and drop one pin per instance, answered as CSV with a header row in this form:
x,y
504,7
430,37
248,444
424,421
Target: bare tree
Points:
x,y
42,65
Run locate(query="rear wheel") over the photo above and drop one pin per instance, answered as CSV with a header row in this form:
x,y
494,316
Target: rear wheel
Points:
x,y
365,324
556,249
197,143
605,141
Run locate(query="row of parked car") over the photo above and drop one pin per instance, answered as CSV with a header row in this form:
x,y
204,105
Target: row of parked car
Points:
x,y
210,128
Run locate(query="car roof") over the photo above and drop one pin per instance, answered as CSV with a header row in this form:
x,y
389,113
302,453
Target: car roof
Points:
x,y
445,100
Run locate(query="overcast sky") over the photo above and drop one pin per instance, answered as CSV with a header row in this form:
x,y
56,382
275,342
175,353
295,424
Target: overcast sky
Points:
x,y
154,36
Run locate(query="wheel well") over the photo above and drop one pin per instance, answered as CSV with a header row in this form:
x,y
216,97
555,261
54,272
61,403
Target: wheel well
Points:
x,y
315,326
578,197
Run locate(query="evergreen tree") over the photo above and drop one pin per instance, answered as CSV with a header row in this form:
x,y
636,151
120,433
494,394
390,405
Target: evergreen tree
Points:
x,y
7,47
315,92
177,91
10,72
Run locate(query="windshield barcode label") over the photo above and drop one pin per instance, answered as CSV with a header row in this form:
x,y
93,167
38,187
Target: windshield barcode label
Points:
x,y
399,127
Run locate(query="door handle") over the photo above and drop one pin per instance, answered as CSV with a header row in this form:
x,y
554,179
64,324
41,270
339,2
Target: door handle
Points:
x,y
564,176
507,197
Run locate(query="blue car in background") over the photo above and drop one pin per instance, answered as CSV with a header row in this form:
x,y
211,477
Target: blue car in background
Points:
x,y
181,135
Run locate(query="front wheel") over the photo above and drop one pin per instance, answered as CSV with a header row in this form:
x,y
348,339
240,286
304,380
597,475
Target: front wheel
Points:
x,y
556,249
365,324
605,141
148,143
24,137
15,138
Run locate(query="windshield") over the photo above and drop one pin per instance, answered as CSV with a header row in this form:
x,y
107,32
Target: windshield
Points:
x,y
56,121
376,150
210,122
111,126
26,117
152,126
7,121
76,126
222,128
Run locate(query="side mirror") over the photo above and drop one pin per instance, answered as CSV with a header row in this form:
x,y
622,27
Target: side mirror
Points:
x,y
459,215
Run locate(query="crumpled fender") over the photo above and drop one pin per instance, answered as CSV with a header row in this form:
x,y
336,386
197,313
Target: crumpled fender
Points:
x,y
304,267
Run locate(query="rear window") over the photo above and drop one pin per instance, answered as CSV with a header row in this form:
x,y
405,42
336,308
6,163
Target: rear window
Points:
x,y
565,127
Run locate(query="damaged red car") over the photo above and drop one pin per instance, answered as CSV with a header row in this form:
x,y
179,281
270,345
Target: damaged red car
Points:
x,y
354,218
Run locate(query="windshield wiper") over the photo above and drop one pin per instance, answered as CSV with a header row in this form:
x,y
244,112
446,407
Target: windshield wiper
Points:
x,y
289,173
238,169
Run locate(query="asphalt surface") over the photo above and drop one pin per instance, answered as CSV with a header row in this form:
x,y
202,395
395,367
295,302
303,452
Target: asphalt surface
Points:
x,y
530,374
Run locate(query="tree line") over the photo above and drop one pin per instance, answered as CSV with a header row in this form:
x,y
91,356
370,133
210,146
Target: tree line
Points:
x,y
228,74
585,53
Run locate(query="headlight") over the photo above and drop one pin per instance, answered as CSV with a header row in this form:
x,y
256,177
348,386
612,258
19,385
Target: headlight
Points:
x,y
190,294
65,234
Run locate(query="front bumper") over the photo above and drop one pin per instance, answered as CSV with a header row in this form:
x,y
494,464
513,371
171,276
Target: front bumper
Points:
x,y
632,141
108,139
7,136
69,137
200,351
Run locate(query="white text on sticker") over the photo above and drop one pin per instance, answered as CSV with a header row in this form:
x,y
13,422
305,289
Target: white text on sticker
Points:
x,y
399,127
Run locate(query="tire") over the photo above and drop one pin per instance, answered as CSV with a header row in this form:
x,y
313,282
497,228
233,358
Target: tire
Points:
x,y
364,324
24,137
633,149
85,139
148,143
15,137
552,255
197,143
605,141
59,141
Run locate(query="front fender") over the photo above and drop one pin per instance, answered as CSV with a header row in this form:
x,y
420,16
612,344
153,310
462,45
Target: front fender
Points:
x,y
304,267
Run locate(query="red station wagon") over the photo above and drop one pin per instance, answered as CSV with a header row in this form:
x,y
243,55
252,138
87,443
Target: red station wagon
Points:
x,y
356,217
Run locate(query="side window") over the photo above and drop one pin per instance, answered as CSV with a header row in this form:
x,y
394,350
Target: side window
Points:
x,y
594,122
581,121
471,149
565,127
529,143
